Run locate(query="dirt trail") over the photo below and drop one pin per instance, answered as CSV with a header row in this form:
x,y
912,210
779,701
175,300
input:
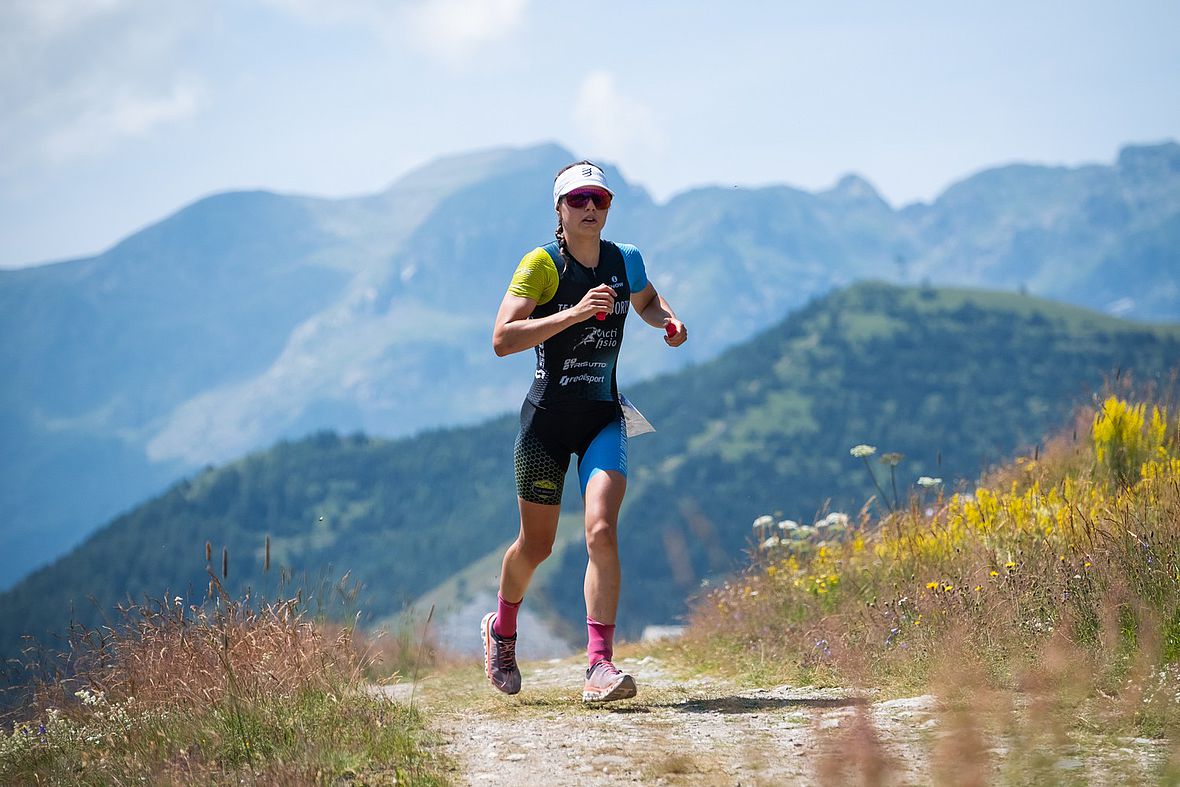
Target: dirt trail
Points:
x,y
693,732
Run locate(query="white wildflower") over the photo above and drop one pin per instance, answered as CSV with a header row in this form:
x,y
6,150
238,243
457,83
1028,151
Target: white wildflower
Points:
x,y
836,520
927,482
788,524
91,698
862,450
772,542
763,521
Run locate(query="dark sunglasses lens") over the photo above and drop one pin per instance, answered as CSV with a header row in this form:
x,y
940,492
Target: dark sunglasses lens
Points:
x,y
578,199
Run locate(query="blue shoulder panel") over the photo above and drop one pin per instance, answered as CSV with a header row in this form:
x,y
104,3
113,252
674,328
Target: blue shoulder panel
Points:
x,y
636,273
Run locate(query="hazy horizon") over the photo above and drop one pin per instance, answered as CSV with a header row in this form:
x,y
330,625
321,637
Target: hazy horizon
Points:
x,y
123,111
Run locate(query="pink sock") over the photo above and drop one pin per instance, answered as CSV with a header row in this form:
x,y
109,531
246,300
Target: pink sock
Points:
x,y
602,636
505,623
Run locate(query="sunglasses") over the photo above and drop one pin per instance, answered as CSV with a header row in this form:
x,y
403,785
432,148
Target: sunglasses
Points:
x,y
579,198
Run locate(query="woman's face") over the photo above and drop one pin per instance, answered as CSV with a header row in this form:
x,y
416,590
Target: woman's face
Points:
x,y
589,218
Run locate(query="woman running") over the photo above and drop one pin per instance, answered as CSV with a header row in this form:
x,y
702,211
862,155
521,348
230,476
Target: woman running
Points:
x,y
569,300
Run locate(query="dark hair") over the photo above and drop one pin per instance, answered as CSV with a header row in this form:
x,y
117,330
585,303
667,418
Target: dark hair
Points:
x,y
559,233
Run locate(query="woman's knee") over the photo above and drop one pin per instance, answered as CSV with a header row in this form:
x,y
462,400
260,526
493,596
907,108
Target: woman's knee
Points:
x,y
602,536
534,550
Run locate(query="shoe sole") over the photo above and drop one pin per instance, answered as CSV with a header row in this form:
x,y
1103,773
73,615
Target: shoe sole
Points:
x,y
486,631
623,690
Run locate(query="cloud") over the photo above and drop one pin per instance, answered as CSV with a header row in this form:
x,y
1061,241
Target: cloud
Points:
x,y
123,117
78,76
454,27
446,30
616,126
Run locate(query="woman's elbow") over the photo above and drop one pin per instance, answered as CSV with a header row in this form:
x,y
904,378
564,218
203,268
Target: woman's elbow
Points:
x,y
500,345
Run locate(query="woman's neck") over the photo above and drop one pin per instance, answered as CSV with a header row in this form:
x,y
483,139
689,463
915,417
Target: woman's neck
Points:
x,y
584,249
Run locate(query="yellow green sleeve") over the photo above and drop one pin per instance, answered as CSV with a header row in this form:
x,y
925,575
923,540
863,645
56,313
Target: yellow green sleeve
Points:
x,y
535,277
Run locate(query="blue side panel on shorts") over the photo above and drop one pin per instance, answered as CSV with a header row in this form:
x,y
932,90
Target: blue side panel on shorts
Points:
x,y
607,451
636,272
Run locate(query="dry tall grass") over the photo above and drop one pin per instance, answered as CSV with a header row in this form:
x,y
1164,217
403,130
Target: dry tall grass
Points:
x,y
1043,608
221,691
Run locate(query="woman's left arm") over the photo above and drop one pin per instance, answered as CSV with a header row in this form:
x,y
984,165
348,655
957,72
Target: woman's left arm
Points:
x,y
656,311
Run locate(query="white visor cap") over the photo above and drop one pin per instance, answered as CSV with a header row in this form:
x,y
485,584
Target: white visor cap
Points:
x,y
579,176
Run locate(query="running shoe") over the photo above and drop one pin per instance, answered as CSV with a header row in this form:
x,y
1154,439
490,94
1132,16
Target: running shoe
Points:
x,y
499,657
605,683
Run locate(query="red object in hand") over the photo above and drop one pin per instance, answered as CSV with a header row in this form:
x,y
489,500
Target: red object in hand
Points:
x,y
670,329
600,316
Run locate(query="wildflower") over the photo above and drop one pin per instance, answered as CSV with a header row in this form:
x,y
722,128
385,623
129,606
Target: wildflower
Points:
x,y
931,585
993,573
788,524
1010,565
772,542
893,458
928,482
834,520
978,588
763,521
802,532
947,588
862,450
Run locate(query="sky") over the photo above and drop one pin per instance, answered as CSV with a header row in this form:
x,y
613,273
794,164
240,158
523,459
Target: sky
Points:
x,y
116,113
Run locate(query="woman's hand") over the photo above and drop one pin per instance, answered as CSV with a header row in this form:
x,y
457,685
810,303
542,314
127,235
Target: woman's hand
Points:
x,y
675,333
600,300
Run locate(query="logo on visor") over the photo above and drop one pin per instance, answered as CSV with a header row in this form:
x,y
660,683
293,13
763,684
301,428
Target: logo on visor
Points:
x,y
587,171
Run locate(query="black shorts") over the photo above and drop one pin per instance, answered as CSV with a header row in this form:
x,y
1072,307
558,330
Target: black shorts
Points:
x,y
594,431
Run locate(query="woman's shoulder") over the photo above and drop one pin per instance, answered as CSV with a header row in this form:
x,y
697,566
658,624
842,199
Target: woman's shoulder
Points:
x,y
626,248
550,251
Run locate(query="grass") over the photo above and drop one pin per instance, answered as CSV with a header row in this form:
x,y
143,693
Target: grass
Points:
x,y
228,691
1043,609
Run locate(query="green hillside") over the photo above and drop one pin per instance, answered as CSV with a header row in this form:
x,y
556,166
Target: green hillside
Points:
x,y
956,380
968,375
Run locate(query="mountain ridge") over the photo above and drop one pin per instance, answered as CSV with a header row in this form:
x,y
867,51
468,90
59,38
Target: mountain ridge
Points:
x,y
250,316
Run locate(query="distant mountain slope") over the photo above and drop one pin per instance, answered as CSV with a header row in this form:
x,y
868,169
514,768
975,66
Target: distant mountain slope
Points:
x,y
250,317
765,427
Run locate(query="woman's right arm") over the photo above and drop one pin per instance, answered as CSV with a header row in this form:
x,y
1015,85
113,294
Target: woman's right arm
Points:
x,y
514,330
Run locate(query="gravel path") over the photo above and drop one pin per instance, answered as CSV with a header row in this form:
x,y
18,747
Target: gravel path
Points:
x,y
675,732
714,732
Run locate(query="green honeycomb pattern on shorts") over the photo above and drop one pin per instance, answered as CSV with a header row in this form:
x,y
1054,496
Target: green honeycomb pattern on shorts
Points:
x,y
539,477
